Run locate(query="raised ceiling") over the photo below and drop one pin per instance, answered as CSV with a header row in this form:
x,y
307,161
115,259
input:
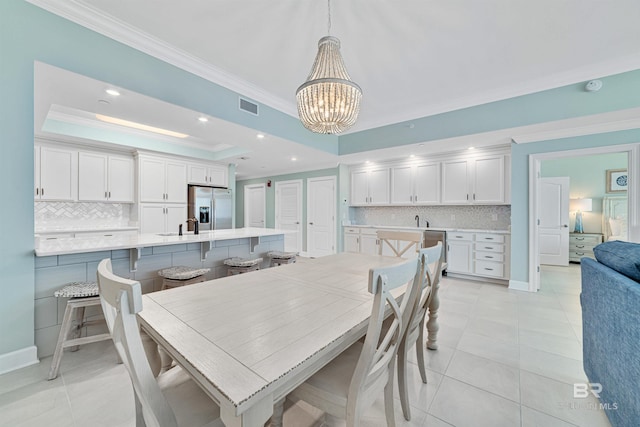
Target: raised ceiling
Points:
x,y
412,58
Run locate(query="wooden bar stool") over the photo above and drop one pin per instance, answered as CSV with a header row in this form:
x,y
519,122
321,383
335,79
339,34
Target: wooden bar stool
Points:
x,y
280,258
242,265
175,277
82,295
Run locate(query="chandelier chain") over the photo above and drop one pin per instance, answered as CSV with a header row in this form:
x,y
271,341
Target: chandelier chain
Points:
x,y
329,17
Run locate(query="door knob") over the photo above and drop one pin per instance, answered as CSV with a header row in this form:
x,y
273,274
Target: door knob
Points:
x,y
297,222
310,223
565,226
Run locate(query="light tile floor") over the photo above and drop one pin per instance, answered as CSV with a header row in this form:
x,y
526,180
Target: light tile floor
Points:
x,y
505,358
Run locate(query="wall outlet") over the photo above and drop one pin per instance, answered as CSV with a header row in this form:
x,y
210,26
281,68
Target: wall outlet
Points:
x,y
453,217
494,217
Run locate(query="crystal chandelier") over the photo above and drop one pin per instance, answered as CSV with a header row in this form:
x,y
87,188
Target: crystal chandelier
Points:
x,y
328,102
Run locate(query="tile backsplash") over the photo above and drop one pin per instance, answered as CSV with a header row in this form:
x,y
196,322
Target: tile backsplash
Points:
x,y
475,216
50,214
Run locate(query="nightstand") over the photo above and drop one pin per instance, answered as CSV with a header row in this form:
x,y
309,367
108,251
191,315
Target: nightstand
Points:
x,y
582,244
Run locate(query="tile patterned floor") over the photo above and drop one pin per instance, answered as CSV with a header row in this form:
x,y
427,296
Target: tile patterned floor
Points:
x,y
506,358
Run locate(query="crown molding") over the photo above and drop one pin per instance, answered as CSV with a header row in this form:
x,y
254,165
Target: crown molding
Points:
x,y
95,20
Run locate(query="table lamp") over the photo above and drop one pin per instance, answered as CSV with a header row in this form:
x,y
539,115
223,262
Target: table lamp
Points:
x,y
579,206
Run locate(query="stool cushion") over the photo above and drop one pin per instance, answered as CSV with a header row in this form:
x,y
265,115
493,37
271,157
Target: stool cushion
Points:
x,y
242,262
182,272
77,290
282,255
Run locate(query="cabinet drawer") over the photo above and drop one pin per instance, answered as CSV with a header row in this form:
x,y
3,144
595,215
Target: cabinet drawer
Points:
x,y
490,238
594,240
489,247
579,246
369,231
352,230
489,256
456,235
487,268
581,254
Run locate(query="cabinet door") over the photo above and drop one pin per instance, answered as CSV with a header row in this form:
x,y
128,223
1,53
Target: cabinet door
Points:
x,y
176,215
92,177
369,244
402,185
218,176
459,257
152,180
36,168
379,187
120,179
359,188
176,182
351,242
488,181
152,218
455,182
198,175
427,184
58,169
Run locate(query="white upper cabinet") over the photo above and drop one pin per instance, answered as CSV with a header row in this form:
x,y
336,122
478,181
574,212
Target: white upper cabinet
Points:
x,y
162,180
415,184
56,170
474,181
105,178
213,175
370,187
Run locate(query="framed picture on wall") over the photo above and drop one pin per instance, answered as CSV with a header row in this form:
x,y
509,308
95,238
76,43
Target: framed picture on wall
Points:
x,y
616,180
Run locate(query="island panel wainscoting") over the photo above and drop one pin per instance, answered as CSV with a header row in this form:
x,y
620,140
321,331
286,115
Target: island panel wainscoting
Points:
x,y
76,259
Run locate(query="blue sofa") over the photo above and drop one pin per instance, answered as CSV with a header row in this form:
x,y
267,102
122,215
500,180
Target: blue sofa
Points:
x,y
610,302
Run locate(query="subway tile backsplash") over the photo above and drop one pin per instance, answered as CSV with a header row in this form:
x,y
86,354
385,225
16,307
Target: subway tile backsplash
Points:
x,y
496,217
55,214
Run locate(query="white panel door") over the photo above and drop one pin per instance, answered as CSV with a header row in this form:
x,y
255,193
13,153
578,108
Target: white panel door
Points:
x,y
488,182
152,180
553,231
175,215
459,257
176,183
359,187
36,168
198,174
321,214
152,218
254,206
352,242
218,176
92,177
289,213
58,169
427,184
402,185
369,244
379,187
455,182
120,179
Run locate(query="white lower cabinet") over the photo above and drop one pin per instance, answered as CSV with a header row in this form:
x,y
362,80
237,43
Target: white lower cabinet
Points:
x,y
352,240
369,244
460,252
162,218
478,254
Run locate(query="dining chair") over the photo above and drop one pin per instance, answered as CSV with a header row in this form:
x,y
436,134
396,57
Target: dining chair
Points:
x,y
174,399
432,260
400,242
350,383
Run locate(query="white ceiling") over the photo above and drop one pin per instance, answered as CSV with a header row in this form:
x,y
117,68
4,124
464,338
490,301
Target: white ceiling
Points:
x,y
412,58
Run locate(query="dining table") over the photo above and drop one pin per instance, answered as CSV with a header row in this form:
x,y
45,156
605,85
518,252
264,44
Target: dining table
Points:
x,y
250,339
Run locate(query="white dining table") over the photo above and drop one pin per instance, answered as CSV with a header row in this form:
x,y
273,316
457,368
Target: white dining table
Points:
x,y
250,339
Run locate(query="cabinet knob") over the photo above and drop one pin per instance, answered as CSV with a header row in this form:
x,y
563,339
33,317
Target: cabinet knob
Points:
x,y
565,226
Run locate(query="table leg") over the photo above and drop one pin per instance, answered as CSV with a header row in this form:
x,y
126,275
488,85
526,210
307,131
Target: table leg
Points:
x,y
432,323
151,350
255,416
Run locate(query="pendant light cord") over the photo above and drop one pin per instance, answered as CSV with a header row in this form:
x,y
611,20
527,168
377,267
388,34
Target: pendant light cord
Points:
x,y
329,19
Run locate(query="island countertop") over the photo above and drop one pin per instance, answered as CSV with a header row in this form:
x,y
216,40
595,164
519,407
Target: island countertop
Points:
x,y
75,245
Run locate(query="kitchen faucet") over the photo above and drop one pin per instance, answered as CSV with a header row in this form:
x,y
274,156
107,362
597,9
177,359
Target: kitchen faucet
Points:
x,y
196,224
417,218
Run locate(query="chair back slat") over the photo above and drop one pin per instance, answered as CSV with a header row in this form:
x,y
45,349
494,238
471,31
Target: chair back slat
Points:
x,y
400,242
376,361
121,299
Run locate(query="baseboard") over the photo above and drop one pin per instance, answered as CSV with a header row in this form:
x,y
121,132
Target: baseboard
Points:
x,y
18,359
517,285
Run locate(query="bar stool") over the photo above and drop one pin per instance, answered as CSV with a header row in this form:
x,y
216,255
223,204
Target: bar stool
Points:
x,y
81,295
280,258
175,277
242,265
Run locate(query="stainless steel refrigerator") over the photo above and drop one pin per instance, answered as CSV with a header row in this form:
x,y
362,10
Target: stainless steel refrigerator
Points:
x,y
211,206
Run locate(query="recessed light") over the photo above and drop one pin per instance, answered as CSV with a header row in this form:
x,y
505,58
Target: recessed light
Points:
x,y
293,159
367,162
112,92
412,155
472,148
260,136
203,119
421,145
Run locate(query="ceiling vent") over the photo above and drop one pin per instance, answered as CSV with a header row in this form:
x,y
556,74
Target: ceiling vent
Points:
x,y
248,106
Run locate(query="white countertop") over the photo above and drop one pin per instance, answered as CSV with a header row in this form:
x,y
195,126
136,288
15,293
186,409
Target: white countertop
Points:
x,y
450,229
71,245
55,229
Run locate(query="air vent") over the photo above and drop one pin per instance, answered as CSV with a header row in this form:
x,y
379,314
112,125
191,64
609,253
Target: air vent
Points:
x,y
248,106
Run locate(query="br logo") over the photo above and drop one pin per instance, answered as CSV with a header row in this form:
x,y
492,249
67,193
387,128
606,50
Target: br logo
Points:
x,y
581,390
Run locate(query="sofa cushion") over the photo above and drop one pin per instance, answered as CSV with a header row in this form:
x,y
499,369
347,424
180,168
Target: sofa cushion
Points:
x,y
624,257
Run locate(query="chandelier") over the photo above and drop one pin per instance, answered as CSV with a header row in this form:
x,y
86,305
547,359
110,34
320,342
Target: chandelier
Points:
x,y
328,102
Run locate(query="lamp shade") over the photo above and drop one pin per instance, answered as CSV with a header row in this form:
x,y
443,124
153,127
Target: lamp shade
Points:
x,y
582,205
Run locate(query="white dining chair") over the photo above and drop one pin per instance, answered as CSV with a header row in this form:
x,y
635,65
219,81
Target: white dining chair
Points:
x,y
350,383
432,259
400,242
174,399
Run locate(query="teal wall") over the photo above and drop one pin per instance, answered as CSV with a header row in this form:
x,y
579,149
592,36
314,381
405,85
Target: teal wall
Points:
x,y
520,187
270,202
28,34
